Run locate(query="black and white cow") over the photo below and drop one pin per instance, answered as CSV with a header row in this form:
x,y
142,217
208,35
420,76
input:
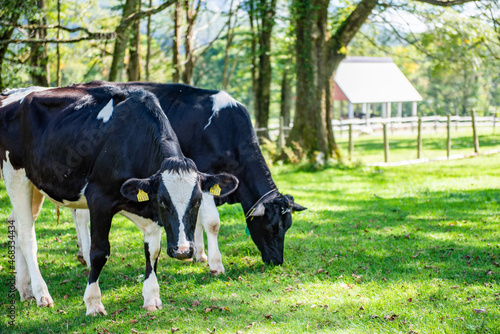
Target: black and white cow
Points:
x,y
216,132
108,149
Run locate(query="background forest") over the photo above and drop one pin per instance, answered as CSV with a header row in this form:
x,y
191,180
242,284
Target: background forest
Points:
x,y
275,56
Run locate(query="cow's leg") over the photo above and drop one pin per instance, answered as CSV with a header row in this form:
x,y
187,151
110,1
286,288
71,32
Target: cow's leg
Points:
x,y
152,246
81,219
100,223
22,272
211,222
20,191
200,255
23,281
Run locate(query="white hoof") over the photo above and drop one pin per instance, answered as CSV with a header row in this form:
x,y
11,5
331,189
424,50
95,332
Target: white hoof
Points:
x,y
217,268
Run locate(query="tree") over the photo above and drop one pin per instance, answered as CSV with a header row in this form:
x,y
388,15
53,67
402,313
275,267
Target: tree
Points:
x,y
262,20
319,52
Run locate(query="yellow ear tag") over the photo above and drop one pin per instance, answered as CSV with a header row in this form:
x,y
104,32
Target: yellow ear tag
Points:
x,y
142,196
215,190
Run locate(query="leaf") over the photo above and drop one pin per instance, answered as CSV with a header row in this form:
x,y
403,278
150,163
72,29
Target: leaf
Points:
x,y
133,321
66,296
133,331
65,281
362,308
208,309
481,310
268,316
173,329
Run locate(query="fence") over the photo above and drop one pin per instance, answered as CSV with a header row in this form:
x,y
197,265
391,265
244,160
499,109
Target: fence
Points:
x,y
420,125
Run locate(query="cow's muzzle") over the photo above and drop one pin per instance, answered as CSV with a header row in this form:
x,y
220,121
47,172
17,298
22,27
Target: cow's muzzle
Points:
x,y
181,253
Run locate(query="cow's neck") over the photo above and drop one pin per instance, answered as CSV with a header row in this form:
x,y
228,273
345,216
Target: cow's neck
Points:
x,y
250,193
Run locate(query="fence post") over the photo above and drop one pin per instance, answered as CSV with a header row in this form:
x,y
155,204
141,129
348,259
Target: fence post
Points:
x,y
419,138
474,132
281,135
448,135
494,122
386,144
351,143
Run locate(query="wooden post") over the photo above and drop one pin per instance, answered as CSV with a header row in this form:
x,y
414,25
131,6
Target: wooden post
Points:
x,y
448,135
351,143
281,136
474,132
386,144
419,138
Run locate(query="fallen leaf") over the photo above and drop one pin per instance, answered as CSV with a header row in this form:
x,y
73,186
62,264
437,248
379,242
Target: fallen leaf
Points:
x,y
481,310
410,300
320,271
362,308
61,311
133,321
454,287
460,318
173,329
195,303
65,281
133,331
208,309
66,296
268,316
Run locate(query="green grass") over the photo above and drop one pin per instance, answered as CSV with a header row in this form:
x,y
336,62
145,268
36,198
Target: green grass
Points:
x,y
370,149
411,249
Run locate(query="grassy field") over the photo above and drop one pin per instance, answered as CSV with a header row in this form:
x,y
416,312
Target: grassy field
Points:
x,y
411,249
370,149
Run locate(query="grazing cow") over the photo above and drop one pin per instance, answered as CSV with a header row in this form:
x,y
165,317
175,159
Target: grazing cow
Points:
x,y
108,149
216,132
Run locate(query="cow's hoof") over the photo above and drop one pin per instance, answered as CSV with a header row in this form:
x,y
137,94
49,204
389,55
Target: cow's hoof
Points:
x,y
217,268
96,309
201,257
46,301
81,259
152,308
25,293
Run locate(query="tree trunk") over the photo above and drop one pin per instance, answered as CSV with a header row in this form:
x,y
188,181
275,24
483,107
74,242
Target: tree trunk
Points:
x,y
148,51
286,97
134,63
122,38
189,63
39,58
6,35
176,61
318,56
266,11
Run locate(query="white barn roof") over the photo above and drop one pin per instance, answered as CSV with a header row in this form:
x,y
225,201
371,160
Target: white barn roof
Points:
x,y
372,80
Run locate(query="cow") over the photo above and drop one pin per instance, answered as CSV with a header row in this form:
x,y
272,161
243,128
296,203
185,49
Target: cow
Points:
x,y
110,150
216,132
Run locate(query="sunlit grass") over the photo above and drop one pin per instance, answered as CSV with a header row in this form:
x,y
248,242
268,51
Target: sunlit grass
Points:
x,y
379,250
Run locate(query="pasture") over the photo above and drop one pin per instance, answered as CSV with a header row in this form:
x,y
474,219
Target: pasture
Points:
x,y
413,249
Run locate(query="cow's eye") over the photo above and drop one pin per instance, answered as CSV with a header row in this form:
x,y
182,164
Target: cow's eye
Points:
x,y
163,204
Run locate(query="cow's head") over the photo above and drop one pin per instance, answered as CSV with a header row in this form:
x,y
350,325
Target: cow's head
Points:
x,y
175,193
268,221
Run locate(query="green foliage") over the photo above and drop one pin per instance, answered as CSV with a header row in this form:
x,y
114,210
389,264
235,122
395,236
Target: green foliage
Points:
x,y
386,250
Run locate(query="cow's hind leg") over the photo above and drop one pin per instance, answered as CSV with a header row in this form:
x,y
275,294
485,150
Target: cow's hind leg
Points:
x,y
81,219
20,191
211,223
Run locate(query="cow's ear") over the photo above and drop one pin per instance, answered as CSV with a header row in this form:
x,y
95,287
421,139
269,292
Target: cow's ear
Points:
x,y
219,185
138,190
298,207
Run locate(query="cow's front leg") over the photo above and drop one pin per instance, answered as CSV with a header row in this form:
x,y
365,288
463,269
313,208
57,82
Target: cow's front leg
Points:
x,y
99,252
199,244
152,247
20,191
81,219
211,223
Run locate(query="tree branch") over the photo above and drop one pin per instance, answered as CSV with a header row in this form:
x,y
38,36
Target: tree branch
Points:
x,y
446,3
94,36
132,18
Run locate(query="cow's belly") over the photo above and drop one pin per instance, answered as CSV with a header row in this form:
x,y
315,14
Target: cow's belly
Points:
x,y
81,203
